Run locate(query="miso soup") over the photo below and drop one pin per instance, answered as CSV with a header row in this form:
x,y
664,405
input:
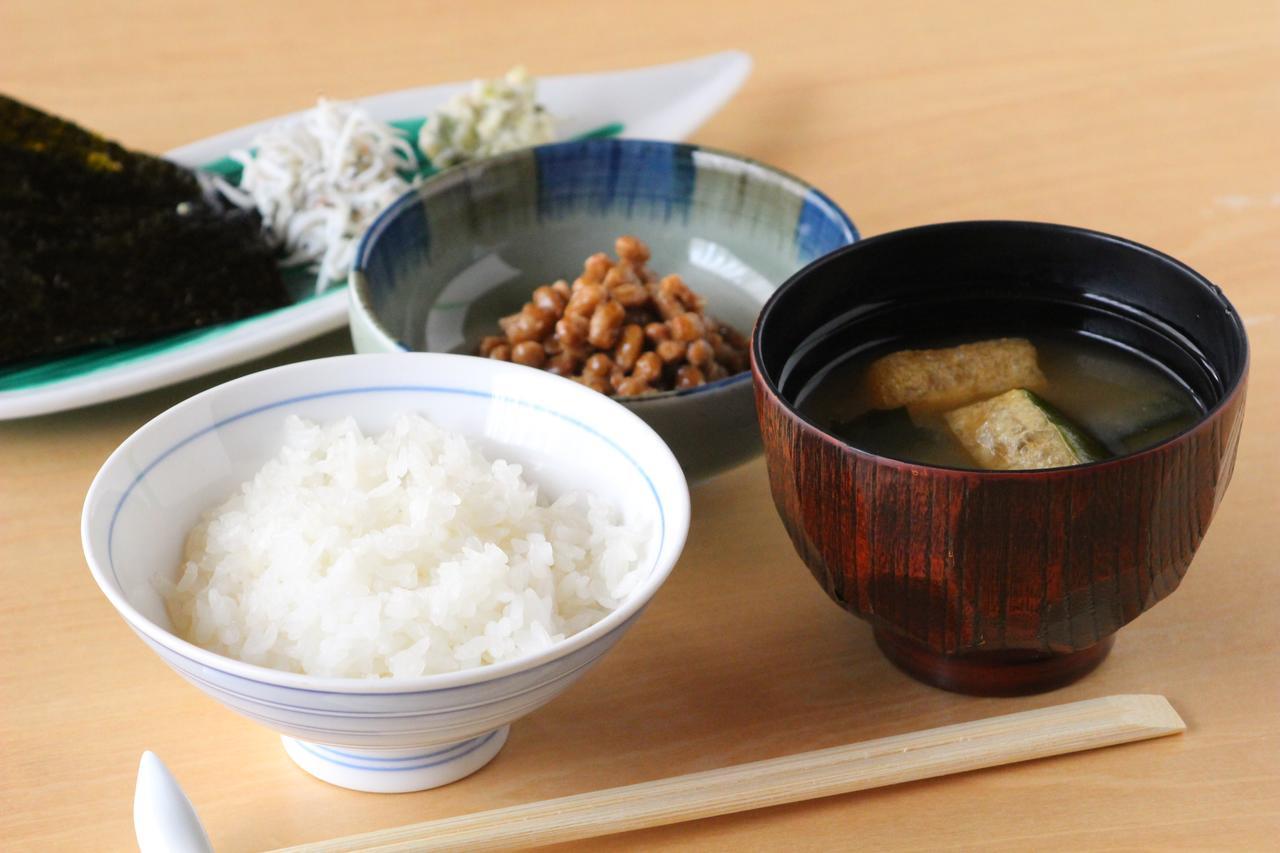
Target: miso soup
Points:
x,y
1042,401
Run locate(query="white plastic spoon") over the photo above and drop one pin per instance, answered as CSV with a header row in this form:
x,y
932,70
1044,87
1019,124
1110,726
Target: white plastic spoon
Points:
x,y
163,818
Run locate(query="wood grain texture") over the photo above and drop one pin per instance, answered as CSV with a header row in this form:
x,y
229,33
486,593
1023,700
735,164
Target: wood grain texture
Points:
x,y
908,757
1154,120
959,561
996,582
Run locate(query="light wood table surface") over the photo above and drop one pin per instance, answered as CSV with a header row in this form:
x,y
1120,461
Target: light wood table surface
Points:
x,y
1158,121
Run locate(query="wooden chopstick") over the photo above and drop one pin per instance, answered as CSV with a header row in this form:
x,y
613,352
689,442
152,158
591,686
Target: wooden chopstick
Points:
x,y
957,748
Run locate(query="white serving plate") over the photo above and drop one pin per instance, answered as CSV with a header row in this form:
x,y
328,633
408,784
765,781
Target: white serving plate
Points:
x,y
665,102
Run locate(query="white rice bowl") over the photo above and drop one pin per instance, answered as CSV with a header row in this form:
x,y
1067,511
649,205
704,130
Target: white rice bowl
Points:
x,y
404,554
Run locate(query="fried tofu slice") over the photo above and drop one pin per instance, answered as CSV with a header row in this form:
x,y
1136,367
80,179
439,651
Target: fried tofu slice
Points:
x,y
1017,430
935,380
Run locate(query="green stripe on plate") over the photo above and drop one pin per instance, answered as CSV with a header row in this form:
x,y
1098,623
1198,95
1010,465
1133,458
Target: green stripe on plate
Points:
x,y
102,358
29,375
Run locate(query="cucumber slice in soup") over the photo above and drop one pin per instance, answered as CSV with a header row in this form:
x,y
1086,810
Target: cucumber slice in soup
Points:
x,y
1086,447
1018,430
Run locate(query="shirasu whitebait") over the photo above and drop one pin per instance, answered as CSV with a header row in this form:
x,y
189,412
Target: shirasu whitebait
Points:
x,y
318,181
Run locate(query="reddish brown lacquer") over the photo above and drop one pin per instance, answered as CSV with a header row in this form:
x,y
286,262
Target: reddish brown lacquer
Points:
x,y
994,582
957,569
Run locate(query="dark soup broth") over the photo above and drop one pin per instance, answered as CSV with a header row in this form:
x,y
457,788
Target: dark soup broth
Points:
x,y
1042,401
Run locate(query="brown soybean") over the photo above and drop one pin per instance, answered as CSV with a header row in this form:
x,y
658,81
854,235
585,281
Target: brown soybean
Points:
x,y
631,294
630,347
563,364
572,329
585,300
674,287
655,332
606,324
529,353
671,352
620,329
686,327
648,367
668,306
594,382
689,376
633,387
549,299
596,267
630,249
598,365
700,353
530,324
620,275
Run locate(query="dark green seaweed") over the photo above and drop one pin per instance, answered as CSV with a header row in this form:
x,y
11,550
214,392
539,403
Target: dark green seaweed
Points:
x,y
101,245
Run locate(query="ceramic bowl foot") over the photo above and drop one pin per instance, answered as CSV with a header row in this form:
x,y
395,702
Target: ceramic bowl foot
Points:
x,y
1011,672
395,771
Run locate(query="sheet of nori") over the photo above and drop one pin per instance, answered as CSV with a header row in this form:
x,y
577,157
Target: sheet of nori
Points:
x,y
63,157
100,245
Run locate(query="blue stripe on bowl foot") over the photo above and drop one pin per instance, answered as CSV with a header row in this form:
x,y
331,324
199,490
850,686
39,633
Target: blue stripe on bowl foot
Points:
x,y
378,772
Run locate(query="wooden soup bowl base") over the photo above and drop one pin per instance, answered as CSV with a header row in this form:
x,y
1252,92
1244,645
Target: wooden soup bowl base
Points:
x,y
1005,672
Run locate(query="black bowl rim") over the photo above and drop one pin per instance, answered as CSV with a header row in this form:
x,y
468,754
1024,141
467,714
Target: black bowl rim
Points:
x,y
357,286
1229,393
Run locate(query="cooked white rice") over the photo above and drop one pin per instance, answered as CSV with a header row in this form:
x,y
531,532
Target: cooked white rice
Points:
x,y
404,554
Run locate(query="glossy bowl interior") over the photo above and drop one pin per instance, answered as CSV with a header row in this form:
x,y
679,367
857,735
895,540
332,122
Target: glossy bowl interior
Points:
x,y
437,269
998,581
395,733
993,278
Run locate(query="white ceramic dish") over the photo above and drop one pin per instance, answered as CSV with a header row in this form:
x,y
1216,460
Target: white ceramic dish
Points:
x,y
395,734
660,102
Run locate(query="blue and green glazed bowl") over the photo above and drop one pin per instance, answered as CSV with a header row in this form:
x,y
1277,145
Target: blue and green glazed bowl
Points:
x,y
441,265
